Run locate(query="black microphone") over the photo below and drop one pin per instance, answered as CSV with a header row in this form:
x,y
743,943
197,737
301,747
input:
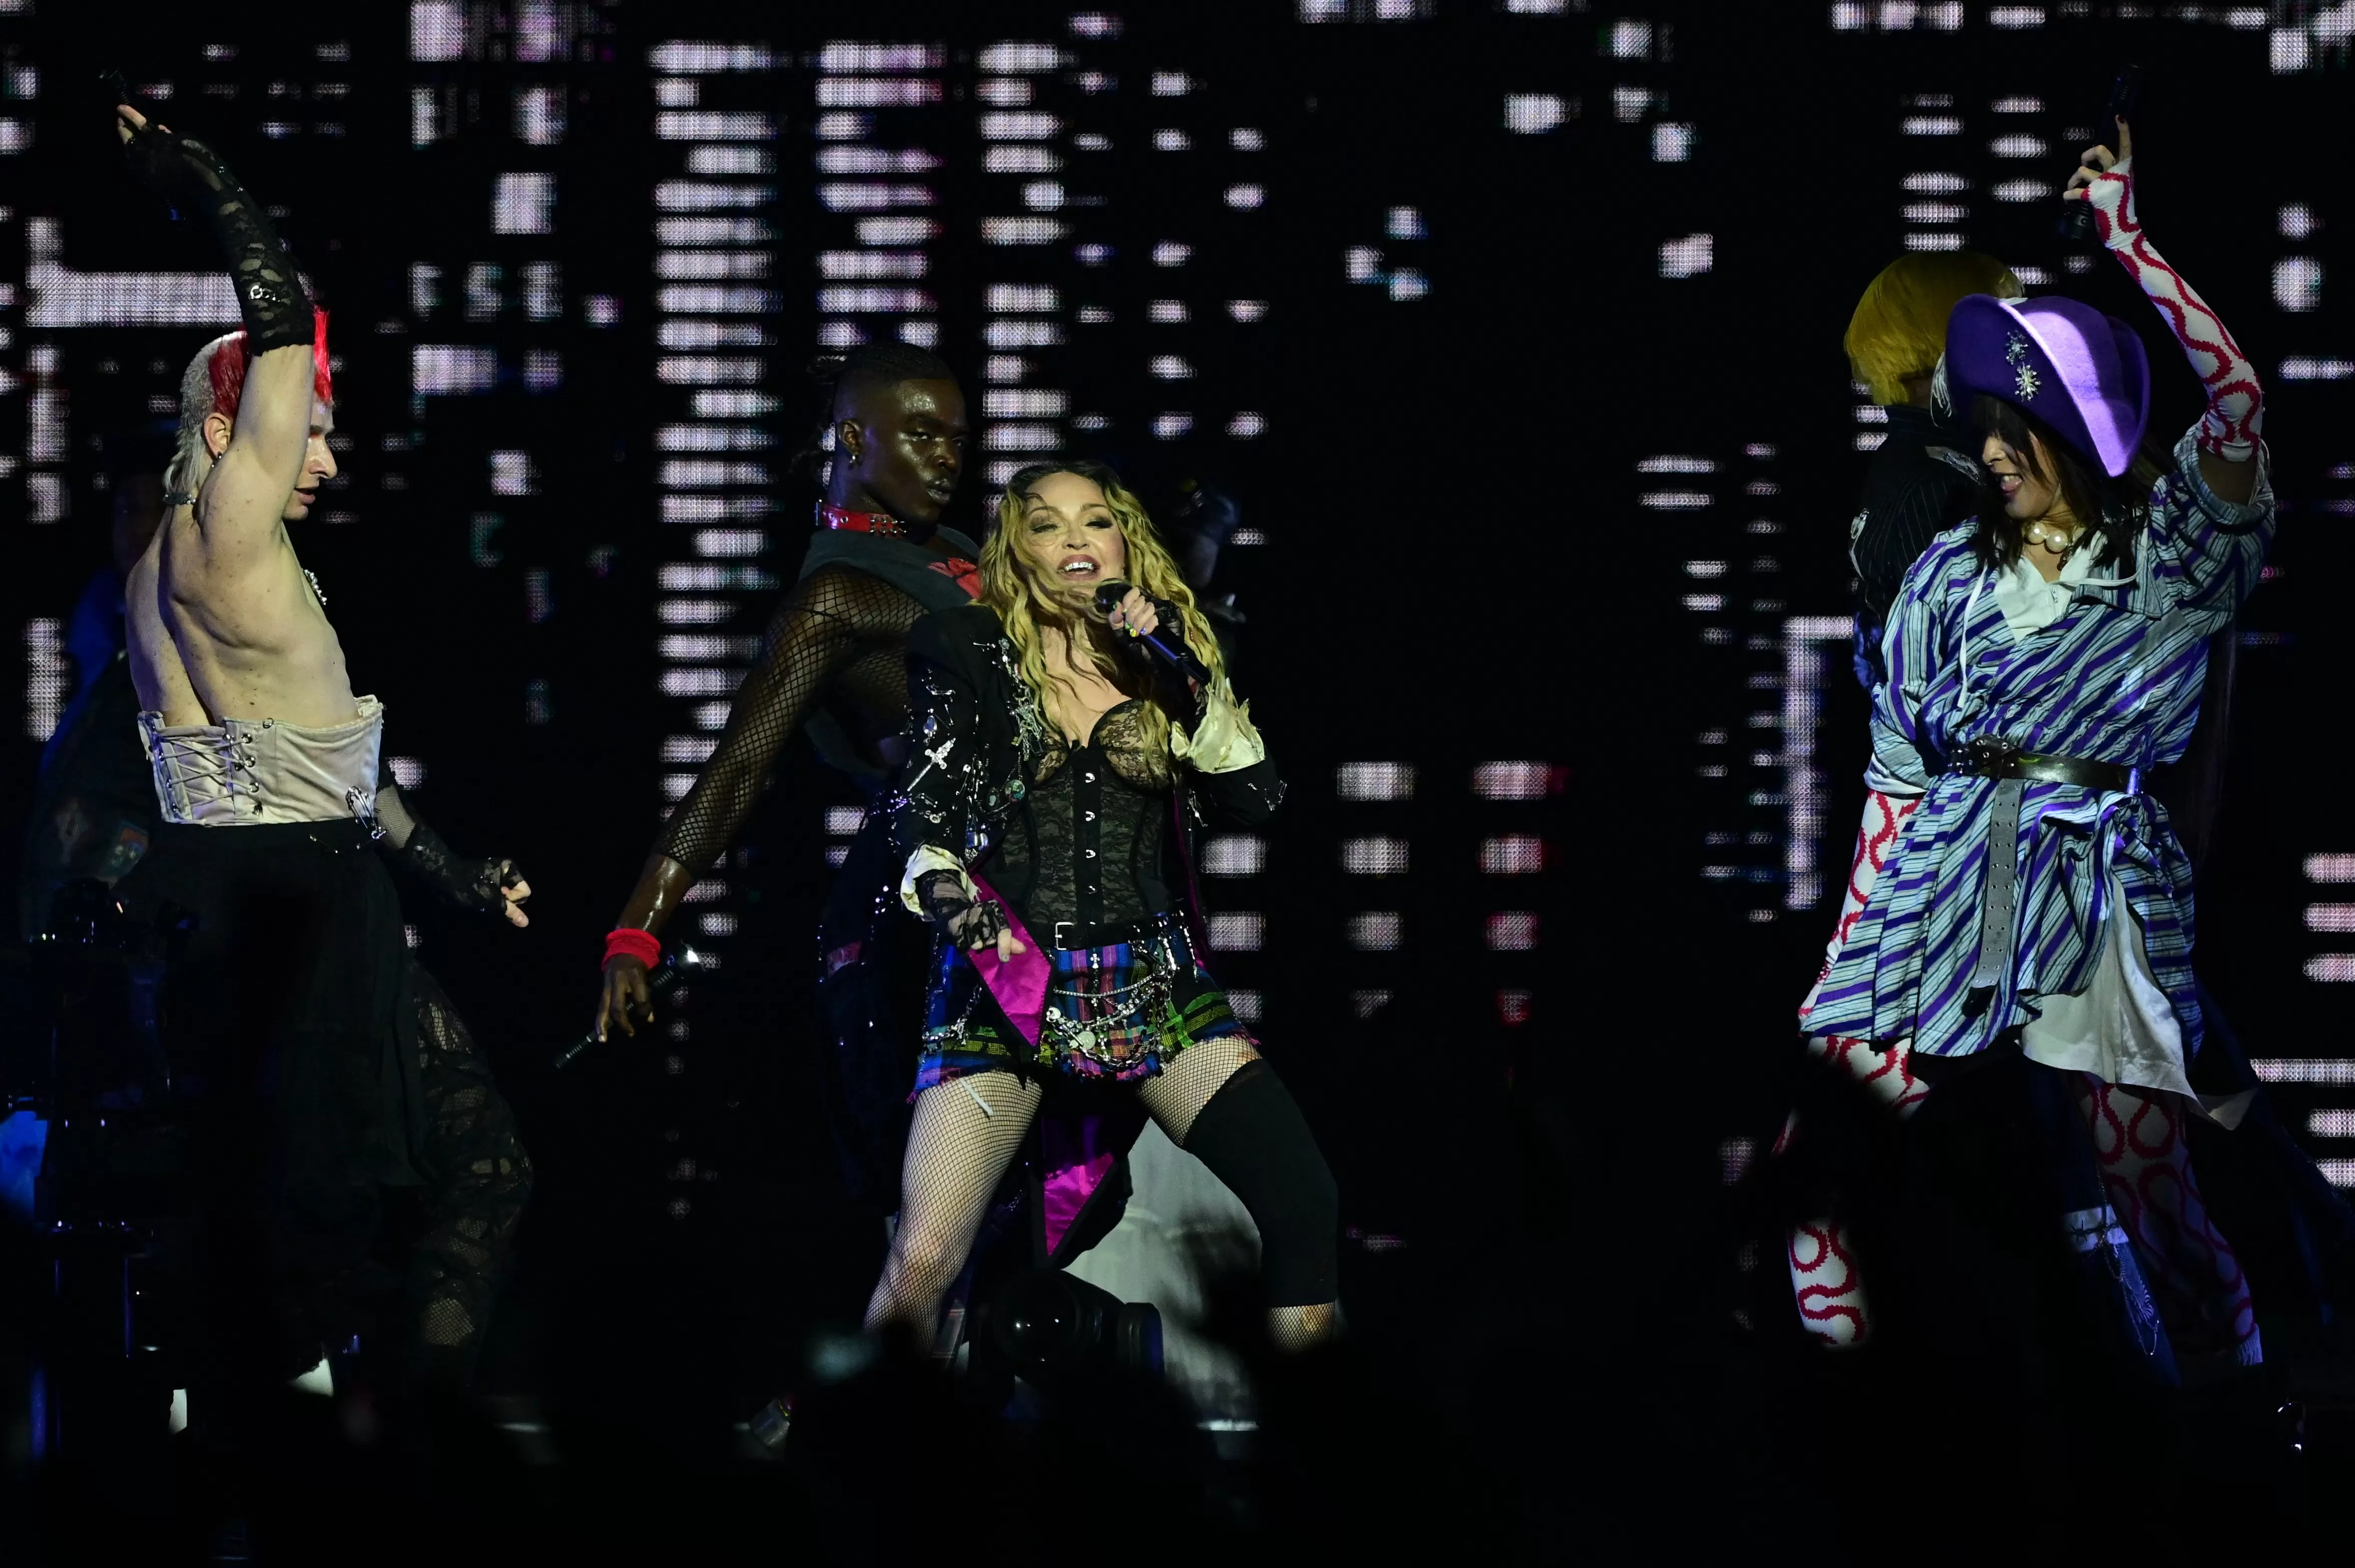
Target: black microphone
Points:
x,y
2077,222
674,967
1166,640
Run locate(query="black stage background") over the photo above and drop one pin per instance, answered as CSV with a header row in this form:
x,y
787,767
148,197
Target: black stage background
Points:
x,y
1541,427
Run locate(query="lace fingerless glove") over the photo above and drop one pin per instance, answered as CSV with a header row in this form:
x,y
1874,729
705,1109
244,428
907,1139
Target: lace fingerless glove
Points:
x,y
952,902
193,179
469,884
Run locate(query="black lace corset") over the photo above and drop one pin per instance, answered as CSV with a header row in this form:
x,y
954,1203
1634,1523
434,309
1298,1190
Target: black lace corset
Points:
x,y
1089,847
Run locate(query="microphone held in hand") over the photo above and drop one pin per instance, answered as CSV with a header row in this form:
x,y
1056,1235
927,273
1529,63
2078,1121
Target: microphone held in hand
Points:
x,y
659,982
2077,218
1165,640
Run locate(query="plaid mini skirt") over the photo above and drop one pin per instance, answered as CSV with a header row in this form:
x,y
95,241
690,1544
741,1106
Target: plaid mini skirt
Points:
x,y
1116,1013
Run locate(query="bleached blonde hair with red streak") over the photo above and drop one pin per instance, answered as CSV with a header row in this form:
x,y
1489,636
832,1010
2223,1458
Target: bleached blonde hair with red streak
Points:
x,y
214,383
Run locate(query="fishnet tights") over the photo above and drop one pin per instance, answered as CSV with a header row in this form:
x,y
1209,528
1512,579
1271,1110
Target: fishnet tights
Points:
x,y
959,1145
840,634
964,1135
1292,1329
482,1178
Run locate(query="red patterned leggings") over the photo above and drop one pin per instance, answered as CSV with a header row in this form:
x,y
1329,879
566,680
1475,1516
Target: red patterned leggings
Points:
x,y
2195,1279
2145,1163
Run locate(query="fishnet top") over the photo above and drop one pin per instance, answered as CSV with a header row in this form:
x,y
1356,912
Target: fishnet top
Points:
x,y
1089,847
838,641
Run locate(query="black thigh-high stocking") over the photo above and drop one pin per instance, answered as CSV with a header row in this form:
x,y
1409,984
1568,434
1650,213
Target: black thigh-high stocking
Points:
x,y
1223,1104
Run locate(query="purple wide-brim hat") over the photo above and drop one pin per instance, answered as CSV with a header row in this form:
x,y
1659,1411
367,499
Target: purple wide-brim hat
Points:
x,y
2080,372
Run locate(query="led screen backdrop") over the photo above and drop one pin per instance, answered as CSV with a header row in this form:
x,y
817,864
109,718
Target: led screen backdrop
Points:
x,y
1510,329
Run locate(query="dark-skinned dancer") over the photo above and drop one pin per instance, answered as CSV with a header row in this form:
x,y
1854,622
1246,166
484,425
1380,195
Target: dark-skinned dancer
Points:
x,y
834,658
328,1070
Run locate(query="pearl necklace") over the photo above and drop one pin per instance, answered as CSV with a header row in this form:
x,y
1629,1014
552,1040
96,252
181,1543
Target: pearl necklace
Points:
x,y
2054,539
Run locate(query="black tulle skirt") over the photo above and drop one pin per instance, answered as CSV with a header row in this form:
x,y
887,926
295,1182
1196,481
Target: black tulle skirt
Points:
x,y
289,1020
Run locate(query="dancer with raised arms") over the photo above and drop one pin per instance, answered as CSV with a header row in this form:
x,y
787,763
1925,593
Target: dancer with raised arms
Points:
x,y
2040,662
330,1069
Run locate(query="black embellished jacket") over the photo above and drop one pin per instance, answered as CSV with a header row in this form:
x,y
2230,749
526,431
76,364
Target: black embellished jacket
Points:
x,y
1062,833
1924,479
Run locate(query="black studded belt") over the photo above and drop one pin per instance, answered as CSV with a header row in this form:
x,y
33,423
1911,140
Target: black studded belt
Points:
x,y
1990,758
1076,935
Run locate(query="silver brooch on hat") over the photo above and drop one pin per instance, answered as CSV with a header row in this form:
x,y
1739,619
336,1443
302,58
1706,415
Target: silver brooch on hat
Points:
x,y
2025,381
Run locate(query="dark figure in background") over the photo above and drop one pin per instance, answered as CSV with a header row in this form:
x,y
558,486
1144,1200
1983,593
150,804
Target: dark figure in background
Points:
x,y
329,1072
94,810
1923,479
835,660
1198,528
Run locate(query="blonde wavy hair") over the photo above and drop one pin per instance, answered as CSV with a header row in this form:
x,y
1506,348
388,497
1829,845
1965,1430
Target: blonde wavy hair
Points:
x,y
1899,325
1023,602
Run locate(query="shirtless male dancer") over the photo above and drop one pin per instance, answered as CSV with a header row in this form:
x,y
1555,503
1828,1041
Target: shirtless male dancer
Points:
x,y
327,1067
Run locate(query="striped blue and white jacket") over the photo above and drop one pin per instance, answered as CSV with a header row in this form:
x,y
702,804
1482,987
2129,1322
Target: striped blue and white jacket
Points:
x,y
2115,679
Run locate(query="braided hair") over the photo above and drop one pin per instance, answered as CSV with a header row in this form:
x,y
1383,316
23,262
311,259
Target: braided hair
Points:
x,y
837,378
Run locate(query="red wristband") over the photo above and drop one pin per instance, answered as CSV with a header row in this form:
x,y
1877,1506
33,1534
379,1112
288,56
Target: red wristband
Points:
x,y
642,946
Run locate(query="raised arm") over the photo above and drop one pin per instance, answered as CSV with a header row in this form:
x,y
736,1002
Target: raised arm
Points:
x,y
814,634
258,460
2235,413
1228,772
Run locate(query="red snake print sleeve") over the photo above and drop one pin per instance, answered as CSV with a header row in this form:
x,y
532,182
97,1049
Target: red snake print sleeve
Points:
x,y
2236,408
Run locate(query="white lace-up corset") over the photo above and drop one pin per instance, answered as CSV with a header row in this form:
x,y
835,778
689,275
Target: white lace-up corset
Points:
x,y
237,773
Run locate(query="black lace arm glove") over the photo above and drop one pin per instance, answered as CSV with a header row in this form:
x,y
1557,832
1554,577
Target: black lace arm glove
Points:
x,y
948,902
414,847
469,884
193,179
